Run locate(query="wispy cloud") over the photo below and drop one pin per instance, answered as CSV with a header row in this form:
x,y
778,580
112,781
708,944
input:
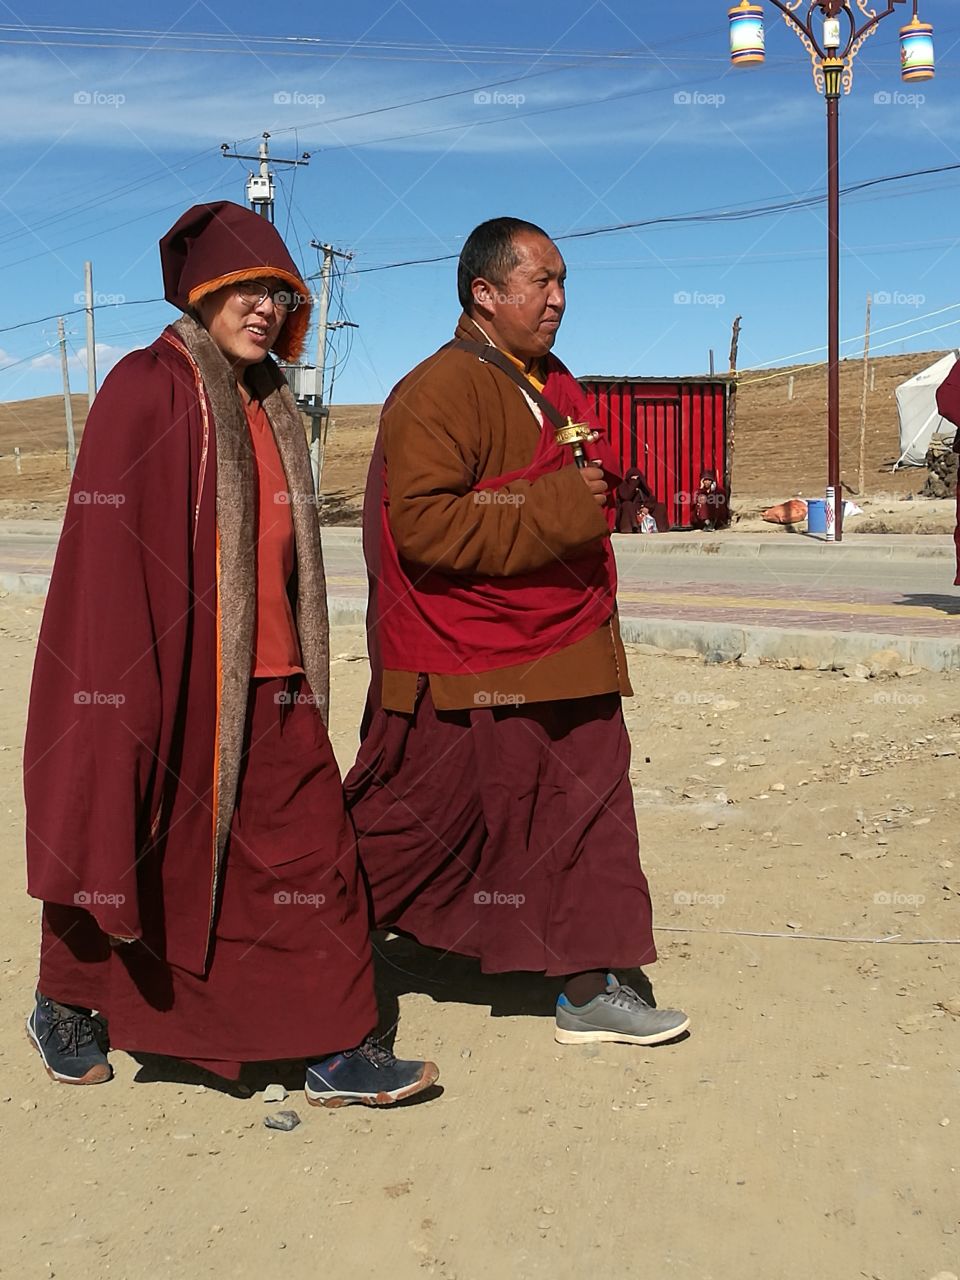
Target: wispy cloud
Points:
x,y
185,103
106,355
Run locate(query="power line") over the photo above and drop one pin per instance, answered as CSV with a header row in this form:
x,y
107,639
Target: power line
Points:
x,y
97,306
167,41
702,218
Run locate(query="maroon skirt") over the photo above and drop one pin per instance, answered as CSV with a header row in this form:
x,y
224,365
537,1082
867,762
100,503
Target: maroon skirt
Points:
x,y
506,833
290,971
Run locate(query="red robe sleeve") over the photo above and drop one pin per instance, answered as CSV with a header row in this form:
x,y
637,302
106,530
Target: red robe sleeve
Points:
x,y
112,646
948,396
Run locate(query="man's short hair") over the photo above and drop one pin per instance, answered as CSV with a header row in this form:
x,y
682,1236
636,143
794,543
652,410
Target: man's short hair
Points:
x,y
489,253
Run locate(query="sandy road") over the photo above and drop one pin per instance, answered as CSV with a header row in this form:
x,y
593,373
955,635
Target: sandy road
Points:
x,y
800,1130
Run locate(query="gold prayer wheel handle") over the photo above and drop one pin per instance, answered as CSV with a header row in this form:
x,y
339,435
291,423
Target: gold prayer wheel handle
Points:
x,y
576,433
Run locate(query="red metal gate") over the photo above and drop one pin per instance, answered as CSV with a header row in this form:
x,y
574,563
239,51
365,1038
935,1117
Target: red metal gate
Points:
x,y
672,431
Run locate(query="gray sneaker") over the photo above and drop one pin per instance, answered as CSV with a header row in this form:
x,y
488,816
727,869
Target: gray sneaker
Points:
x,y
619,1016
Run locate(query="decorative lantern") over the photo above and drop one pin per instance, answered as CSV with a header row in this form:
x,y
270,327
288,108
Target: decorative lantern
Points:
x,y
746,33
916,50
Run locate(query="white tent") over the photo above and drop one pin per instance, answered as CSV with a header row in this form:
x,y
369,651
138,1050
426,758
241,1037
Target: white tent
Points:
x,y
920,420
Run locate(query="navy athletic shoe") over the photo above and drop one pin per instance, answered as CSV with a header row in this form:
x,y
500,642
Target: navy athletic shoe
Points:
x,y
369,1074
71,1043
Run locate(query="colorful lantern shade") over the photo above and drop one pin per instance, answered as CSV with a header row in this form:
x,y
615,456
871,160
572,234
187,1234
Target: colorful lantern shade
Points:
x,y
916,50
746,34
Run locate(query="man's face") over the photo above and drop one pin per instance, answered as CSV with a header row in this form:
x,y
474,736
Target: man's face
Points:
x,y
243,332
522,315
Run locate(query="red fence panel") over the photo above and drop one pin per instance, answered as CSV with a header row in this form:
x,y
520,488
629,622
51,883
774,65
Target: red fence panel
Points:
x,y
671,430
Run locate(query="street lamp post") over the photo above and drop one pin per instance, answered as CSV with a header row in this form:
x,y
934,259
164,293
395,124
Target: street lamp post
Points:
x,y
832,50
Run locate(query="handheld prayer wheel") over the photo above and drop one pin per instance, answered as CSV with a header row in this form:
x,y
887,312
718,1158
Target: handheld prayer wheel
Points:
x,y
577,434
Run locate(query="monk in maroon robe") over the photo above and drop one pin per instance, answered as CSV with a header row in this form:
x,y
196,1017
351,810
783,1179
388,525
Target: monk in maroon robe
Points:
x,y
492,796
709,509
948,402
185,821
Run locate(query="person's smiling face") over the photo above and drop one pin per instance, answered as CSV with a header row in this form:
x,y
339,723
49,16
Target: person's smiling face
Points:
x,y
243,330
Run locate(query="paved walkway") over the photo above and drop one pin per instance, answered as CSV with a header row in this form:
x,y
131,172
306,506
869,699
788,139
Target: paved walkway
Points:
x,y
775,596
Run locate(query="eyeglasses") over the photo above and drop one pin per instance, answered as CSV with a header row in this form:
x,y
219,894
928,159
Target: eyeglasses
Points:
x,y
252,294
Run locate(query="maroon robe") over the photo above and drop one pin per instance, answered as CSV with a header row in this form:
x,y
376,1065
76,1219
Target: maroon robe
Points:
x,y
120,773
948,402
506,833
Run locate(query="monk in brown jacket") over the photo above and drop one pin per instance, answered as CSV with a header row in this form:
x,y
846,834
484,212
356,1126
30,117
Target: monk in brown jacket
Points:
x,y
491,795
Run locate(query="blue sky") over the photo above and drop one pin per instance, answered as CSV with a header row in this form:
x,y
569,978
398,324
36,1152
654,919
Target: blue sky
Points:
x,y
574,115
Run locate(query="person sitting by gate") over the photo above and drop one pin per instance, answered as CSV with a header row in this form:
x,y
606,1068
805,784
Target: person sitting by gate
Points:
x,y
710,508
632,494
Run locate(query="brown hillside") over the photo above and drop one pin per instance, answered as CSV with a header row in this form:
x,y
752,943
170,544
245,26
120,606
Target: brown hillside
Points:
x,y
780,446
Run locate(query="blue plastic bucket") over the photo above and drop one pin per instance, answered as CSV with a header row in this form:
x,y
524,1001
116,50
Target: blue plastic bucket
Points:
x,y
817,516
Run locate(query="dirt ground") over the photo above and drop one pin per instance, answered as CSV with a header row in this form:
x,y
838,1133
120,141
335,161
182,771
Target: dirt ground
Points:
x,y
807,1126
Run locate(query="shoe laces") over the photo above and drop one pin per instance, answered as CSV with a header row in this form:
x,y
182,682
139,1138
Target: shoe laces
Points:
x,y
625,997
73,1030
374,1052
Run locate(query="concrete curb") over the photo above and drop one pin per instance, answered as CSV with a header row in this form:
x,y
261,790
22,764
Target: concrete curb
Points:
x,y
805,548
773,643
790,645
29,584
935,653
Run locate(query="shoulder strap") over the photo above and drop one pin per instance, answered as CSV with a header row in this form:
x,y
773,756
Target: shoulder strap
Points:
x,y
492,355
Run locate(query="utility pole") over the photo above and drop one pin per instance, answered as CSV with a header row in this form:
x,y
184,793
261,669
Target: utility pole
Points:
x,y
732,404
260,187
863,398
320,412
91,341
68,407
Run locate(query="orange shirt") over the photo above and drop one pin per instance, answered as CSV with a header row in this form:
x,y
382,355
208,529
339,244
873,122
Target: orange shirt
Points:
x,y
276,648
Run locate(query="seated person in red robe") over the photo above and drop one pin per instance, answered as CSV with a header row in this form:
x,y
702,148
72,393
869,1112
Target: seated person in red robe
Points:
x,y
492,795
710,509
632,493
186,829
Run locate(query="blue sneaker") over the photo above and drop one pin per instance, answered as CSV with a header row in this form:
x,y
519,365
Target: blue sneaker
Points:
x,y
620,1016
369,1074
71,1043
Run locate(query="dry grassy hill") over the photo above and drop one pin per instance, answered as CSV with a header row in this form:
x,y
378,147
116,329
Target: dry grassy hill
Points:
x,y
780,446
779,450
